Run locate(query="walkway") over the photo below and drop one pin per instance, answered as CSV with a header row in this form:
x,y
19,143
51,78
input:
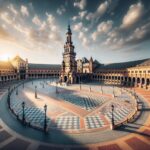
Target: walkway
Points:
x,y
134,136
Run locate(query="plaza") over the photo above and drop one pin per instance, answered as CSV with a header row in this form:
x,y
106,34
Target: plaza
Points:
x,y
77,116
89,91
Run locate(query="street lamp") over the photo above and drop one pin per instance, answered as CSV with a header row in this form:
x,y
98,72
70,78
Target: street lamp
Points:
x,y
113,91
16,91
35,91
121,89
90,88
23,85
101,89
45,120
8,100
136,98
80,82
56,89
23,114
9,90
112,118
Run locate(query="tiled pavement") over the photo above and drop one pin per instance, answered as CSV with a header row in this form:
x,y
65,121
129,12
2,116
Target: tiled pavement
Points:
x,y
87,102
133,141
77,102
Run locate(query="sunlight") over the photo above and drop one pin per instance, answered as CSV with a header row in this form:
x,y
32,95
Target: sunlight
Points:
x,y
5,56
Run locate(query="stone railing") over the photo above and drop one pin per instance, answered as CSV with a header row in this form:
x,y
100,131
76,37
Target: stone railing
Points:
x,y
19,117
132,115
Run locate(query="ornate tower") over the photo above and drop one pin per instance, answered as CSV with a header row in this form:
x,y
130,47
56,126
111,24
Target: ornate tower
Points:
x,y
91,65
69,65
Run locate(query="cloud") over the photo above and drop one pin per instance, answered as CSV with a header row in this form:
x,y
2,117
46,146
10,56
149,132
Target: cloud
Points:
x,y
84,40
22,29
81,4
6,17
119,38
80,15
12,9
79,27
61,10
4,34
39,36
133,15
47,31
102,28
24,10
36,20
50,18
101,10
139,35
45,36
132,31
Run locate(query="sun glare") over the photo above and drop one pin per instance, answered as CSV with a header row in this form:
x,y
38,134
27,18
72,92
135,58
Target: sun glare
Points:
x,y
5,56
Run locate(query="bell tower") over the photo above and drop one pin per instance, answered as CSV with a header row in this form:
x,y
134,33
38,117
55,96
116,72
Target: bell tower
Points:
x,y
69,65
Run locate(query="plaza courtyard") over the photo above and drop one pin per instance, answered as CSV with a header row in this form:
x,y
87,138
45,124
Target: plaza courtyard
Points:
x,y
78,116
90,93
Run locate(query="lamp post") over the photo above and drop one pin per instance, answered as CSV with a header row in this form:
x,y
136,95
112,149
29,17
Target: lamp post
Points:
x,y
136,97
113,92
56,89
16,91
45,120
35,91
23,85
90,88
80,83
112,118
101,89
121,89
9,90
8,100
23,114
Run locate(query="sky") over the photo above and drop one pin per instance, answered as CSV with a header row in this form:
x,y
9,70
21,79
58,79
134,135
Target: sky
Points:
x,y
108,30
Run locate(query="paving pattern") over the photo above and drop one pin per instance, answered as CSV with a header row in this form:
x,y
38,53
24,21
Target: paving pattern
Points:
x,y
120,112
33,115
94,122
88,101
68,122
135,141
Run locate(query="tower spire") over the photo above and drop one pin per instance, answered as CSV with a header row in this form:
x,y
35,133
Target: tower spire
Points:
x,y
68,35
69,65
69,30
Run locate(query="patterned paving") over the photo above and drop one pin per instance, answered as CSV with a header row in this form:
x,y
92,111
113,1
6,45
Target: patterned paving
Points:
x,y
119,114
68,122
94,122
87,102
134,141
33,115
